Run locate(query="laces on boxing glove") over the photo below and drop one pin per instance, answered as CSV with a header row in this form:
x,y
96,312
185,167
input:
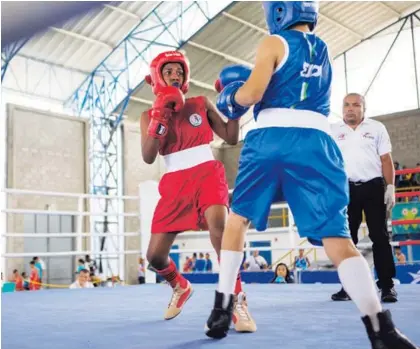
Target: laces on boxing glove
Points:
x,y
158,126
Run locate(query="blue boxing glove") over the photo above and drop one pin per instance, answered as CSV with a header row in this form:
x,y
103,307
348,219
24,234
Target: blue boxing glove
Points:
x,y
231,73
226,101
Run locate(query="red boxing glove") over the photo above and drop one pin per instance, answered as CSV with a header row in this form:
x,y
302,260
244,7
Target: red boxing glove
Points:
x,y
168,100
218,86
158,125
170,97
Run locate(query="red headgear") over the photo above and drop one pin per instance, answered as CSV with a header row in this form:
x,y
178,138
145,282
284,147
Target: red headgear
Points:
x,y
155,79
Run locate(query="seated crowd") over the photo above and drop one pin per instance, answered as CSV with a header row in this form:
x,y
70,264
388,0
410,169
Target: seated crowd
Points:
x,y
407,182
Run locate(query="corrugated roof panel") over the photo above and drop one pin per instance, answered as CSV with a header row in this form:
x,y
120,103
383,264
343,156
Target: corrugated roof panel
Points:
x,y
401,6
139,8
335,37
59,48
235,40
251,11
361,17
107,26
204,65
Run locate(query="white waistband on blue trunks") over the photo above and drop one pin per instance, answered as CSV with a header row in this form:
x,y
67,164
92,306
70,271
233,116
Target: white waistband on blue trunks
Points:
x,y
283,117
181,160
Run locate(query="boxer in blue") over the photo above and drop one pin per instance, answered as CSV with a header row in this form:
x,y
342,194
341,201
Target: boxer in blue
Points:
x,y
291,153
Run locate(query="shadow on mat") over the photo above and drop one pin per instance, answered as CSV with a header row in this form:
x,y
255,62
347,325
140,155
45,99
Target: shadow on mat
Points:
x,y
197,343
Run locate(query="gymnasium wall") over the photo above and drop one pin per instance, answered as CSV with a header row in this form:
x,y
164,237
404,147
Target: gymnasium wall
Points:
x,y
45,152
404,130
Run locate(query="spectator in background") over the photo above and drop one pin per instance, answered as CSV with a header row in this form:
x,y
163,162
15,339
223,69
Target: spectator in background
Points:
x,y
398,178
301,262
141,271
34,279
91,265
416,177
18,280
399,256
40,265
82,280
282,275
255,262
81,265
209,263
188,265
406,179
200,264
193,261
25,281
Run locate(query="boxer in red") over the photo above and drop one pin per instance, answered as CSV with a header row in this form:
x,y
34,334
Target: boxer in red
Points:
x,y
194,191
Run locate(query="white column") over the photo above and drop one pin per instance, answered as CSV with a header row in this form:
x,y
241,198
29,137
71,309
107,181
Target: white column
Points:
x,y
292,229
149,197
79,226
3,184
121,206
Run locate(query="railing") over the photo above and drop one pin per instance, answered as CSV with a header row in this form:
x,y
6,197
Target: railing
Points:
x,y
147,200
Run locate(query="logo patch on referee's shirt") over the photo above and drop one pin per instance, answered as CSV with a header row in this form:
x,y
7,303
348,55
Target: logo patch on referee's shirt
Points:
x,y
342,137
368,135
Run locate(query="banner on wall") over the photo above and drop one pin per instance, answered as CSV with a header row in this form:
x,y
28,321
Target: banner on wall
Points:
x,y
406,211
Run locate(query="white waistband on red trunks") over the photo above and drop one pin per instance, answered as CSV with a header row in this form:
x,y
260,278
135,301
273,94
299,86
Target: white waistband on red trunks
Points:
x,y
188,158
282,117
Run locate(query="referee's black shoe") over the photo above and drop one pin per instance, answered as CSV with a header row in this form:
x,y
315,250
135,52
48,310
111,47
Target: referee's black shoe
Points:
x,y
340,296
388,337
389,295
218,323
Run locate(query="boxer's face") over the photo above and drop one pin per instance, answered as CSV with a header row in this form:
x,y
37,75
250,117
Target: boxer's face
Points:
x,y
353,109
173,73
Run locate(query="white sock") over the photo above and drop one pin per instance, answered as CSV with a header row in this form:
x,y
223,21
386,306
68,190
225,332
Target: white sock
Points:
x,y
230,262
357,280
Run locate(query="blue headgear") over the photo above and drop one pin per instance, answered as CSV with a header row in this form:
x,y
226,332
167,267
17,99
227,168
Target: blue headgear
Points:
x,y
281,15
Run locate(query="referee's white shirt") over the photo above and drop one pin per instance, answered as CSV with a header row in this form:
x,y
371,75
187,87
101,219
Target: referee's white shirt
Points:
x,y
362,148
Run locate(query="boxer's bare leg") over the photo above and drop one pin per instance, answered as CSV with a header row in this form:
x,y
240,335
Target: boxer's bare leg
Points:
x,y
216,217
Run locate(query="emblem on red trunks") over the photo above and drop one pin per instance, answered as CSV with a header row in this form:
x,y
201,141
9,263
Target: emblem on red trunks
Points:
x,y
196,120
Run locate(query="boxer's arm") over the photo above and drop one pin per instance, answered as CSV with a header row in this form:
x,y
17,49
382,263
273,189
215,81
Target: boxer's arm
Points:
x,y
228,131
269,53
149,145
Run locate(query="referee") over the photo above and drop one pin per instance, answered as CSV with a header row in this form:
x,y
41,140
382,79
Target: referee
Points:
x,y
366,149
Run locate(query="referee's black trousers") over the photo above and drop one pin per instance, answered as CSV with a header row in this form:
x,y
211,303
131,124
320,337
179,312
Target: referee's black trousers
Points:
x,y
369,197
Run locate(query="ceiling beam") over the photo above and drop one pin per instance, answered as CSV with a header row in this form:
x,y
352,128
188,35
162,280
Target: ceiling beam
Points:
x,y
53,64
220,54
244,22
141,100
82,37
203,85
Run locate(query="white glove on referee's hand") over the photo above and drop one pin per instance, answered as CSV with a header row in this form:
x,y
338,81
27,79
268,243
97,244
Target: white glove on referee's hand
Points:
x,y
390,197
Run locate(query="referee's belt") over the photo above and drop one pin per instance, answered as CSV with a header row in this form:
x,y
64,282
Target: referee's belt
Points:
x,y
376,179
